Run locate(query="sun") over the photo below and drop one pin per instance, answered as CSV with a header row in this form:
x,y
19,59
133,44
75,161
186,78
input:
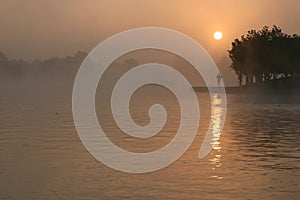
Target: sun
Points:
x,y
218,35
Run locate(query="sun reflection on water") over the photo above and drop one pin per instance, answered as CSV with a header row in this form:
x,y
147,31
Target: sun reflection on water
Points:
x,y
215,129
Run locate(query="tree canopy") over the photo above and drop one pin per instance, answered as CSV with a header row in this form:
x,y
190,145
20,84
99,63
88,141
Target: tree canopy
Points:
x,y
264,55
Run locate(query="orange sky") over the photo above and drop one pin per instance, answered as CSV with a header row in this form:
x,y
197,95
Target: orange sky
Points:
x,y
43,28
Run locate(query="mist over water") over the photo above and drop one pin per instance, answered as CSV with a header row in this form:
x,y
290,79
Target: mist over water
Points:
x,y
256,156
43,154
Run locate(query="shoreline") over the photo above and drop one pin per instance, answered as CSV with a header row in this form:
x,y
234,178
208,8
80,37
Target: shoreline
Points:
x,y
249,90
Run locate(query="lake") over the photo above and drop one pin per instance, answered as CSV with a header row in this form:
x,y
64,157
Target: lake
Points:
x,y
256,156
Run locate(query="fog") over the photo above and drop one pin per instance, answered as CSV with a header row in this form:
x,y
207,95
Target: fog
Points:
x,y
41,29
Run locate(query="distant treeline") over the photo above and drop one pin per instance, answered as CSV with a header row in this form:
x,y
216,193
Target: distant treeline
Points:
x,y
39,69
264,55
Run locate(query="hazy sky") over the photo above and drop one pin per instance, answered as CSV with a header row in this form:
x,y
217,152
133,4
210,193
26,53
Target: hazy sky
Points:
x,y
43,28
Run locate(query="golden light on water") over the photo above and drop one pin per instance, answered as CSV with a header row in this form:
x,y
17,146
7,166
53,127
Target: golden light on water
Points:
x,y
216,132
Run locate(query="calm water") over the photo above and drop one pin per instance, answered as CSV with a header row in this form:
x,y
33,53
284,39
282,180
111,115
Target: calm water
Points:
x,y
256,156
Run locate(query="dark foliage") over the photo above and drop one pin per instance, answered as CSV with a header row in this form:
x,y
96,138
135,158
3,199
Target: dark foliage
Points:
x,y
264,55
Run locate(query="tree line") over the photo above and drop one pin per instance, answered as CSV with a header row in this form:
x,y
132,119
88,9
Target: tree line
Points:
x,y
14,69
264,55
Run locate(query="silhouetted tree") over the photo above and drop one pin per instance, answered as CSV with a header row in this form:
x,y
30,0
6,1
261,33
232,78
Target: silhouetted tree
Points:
x,y
265,55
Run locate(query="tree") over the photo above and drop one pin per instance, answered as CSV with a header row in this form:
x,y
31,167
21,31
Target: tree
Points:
x,y
264,55
3,57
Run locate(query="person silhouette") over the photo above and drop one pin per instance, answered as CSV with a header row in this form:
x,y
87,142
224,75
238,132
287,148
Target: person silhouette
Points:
x,y
219,78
